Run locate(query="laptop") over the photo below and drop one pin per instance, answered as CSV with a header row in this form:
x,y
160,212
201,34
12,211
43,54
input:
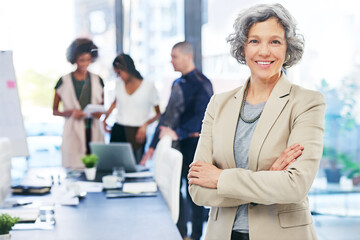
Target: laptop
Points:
x,y
115,154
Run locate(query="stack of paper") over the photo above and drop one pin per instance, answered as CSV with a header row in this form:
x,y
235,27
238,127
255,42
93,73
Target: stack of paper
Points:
x,y
25,214
139,187
90,186
144,174
30,190
92,108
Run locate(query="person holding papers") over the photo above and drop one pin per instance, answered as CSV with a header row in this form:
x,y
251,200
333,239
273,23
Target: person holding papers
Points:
x,y
135,101
76,90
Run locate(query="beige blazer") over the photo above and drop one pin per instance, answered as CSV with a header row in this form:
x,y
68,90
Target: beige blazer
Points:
x,y
278,200
73,145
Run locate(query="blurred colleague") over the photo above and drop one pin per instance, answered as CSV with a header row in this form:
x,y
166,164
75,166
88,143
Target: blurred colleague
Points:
x,y
260,144
76,90
136,101
181,120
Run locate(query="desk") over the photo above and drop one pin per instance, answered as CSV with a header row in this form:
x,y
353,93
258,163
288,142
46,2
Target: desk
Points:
x,y
97,217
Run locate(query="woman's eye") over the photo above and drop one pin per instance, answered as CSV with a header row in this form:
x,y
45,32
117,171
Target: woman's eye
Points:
x,y
276,42
253,41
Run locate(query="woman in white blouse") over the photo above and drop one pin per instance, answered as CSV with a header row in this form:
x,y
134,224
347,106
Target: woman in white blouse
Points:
x,y
135,100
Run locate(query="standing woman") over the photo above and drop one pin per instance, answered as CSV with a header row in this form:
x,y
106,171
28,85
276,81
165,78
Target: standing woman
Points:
x,y
76,90
135,101
256,189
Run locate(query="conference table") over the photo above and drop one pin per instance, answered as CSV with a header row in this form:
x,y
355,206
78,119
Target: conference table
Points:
x,y
98,217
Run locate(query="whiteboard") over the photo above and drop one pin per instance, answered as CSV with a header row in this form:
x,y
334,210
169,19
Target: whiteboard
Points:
x,y
11,121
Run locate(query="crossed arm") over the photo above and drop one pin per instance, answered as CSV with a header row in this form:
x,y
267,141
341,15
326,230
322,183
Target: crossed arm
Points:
x,y
207,175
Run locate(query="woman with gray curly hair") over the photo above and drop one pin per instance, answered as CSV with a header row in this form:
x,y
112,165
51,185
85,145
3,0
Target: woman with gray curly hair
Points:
x,y
255,188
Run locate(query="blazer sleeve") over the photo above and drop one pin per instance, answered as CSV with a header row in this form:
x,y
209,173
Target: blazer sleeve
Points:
x,y
293,184
205,196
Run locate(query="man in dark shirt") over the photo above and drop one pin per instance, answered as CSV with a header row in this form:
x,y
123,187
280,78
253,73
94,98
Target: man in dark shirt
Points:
x,y
182,120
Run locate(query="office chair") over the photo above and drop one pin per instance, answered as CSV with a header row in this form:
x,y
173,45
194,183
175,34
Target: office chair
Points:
x,y
159,155
168,165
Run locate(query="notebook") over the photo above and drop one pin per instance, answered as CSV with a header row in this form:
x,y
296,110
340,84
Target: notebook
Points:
x,y
115,154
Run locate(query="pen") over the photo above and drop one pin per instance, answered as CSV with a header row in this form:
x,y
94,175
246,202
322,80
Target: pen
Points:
x,y
21,204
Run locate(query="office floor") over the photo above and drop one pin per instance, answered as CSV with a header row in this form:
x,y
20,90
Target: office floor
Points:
x,y
338,219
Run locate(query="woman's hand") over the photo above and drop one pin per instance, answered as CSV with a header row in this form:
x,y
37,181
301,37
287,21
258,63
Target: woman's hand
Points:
x,y
204,174
149,154
141,134
97,115
107,128
77,114
207,175
288,156
168,131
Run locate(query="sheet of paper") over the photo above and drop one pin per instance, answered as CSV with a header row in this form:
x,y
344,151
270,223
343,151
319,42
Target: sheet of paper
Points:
x,y
68,199
139,187
37,225
90,186
33,226
92,108
139,174
25,214
121,194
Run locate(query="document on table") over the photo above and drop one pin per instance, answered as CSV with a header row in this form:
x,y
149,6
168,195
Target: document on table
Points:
x,y
121,194
92,108
90,186
25,214
38,225
140,187
139,174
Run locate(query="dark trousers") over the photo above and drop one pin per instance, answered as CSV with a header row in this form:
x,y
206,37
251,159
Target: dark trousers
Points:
x,y
88,140
239,236
121,133
188,209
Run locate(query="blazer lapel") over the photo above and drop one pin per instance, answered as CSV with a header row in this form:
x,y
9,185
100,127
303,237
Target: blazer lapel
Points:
x,y
274,106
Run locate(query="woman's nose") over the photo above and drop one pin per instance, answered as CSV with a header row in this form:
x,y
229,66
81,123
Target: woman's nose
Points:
x,y
264,49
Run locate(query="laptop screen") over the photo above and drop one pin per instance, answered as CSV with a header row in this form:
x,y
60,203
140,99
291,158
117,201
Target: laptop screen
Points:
x,y
114,154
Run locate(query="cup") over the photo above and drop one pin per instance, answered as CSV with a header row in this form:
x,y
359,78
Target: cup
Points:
x,y
119,172
47,214
109,181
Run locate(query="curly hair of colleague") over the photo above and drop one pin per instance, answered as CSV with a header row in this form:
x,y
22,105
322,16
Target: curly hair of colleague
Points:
x,y
76,90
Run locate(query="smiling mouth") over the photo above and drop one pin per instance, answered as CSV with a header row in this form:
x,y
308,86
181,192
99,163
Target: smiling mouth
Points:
x,y
264,62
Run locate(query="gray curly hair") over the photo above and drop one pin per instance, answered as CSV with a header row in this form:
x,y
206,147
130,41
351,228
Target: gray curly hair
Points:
x,y
261,13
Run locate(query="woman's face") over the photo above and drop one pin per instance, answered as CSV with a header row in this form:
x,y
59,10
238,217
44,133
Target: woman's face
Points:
x,y
122,74
265,50
83,61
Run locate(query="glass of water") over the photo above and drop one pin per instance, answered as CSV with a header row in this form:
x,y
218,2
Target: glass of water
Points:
x,y
119,172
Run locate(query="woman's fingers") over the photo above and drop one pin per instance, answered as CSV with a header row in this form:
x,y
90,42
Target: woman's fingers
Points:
x,y
197,163
195,181
141,134
291,157
140,138
288,156
204,174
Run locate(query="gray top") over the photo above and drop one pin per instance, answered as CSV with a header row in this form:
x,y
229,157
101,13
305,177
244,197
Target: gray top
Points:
x,y
243,135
